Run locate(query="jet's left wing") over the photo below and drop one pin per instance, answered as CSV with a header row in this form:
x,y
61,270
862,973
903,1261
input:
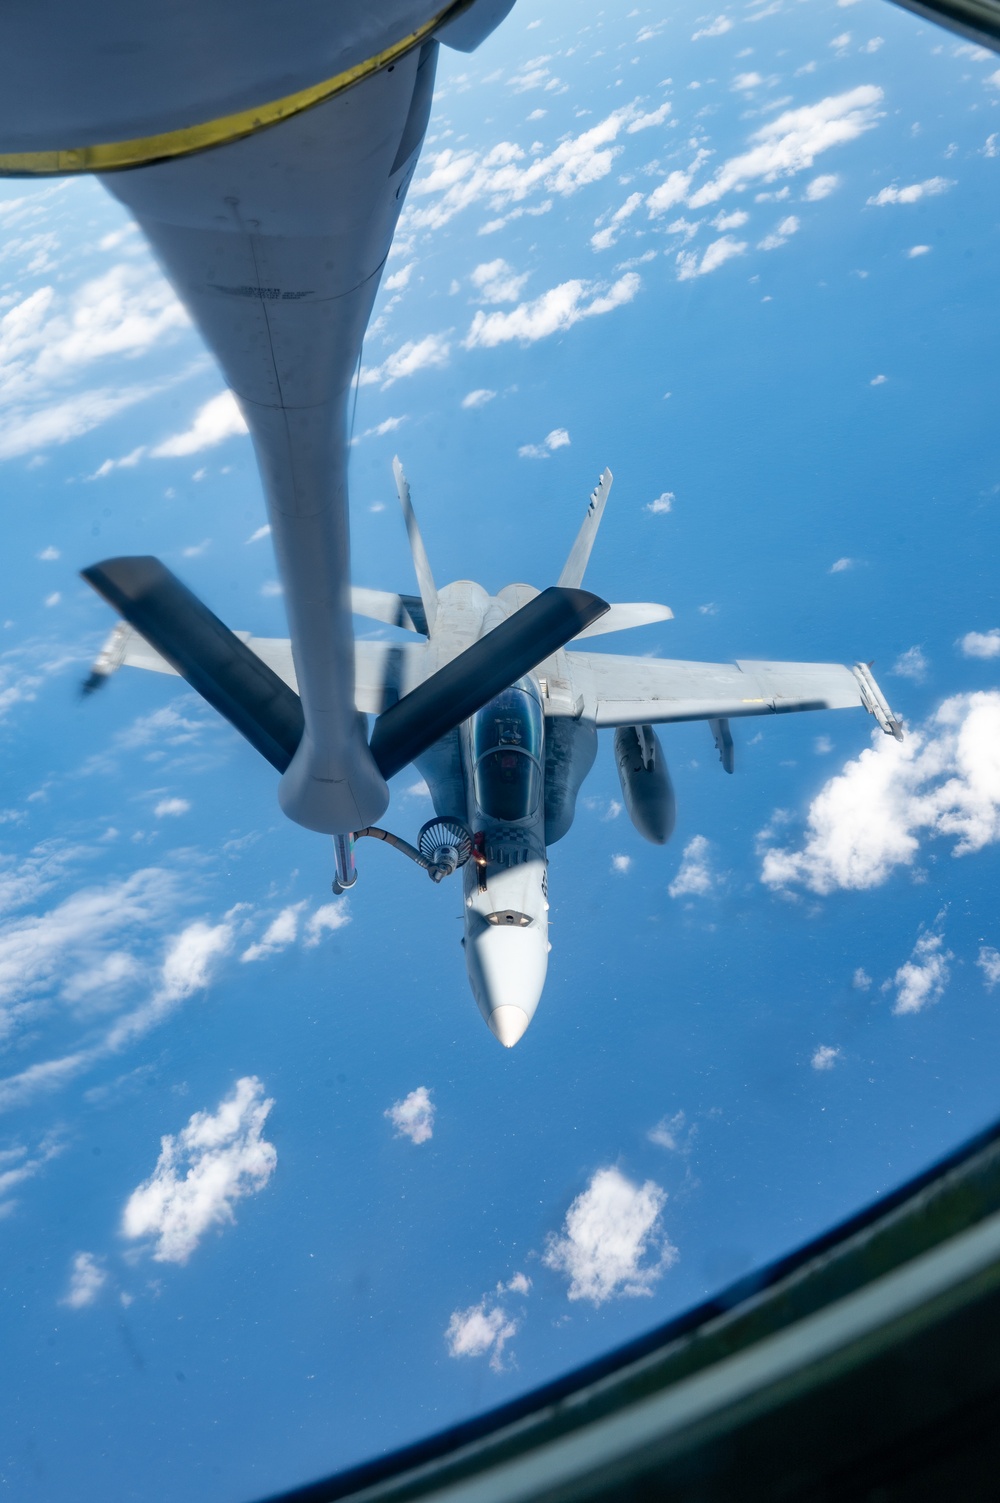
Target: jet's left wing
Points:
x,y
383,671
648,691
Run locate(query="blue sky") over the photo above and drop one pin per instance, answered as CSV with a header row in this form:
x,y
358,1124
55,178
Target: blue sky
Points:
x,y
272,1197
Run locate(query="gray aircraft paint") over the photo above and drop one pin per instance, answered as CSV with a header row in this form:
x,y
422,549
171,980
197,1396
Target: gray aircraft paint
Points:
x,y
578,692
275,243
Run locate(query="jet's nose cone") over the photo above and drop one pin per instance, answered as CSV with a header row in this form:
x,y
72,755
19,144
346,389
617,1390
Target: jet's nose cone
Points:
x,y
508,1024
507,971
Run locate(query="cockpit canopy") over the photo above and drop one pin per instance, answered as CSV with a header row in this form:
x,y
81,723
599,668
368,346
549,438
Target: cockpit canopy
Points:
x,y
507,738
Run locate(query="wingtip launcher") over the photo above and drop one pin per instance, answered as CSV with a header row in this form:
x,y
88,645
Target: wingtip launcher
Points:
x,y
876,703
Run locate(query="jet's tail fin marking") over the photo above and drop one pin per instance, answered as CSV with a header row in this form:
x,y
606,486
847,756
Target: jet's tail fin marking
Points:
x,y
425,579
575,566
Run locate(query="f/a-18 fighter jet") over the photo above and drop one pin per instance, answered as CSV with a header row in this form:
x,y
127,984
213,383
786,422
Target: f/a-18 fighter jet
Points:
x,y
497,712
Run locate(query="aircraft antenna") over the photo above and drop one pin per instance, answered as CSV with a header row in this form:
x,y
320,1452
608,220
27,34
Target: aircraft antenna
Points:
x,y
575,566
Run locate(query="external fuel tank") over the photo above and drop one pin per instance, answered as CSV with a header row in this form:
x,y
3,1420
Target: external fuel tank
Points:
x,y
646,786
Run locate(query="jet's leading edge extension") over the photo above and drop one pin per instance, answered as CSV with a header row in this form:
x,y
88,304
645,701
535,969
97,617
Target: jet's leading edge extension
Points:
x,y
498,716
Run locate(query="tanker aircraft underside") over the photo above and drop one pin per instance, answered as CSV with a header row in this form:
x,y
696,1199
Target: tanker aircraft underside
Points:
x,y
496,712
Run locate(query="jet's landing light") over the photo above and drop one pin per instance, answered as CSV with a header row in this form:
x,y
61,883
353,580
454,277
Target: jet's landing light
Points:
x,y
509,916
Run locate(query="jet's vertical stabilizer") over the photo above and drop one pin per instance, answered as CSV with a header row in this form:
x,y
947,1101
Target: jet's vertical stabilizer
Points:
x,y
575,566
425,579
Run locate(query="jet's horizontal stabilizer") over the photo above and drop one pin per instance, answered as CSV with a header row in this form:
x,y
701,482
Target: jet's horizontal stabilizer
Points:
x,y
202,649
470,680
622,617
395,610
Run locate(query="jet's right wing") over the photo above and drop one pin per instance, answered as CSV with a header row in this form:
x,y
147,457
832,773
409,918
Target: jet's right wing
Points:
x,y
648,691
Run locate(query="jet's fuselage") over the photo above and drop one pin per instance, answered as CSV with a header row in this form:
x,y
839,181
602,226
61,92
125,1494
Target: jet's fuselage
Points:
x,y
512,774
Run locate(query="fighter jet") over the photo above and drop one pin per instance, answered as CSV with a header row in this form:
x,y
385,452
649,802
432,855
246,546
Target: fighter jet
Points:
x,y
497,711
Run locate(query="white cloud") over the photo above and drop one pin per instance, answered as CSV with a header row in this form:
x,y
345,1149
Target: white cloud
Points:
x,y
49,555
531,75
187,968
825,1057
672,1133
821,187
861,981
17,1166
922,980
86,1280
744,81
503,176
170,808
611,1231
379,430
53,599
686,227
400,278
911,664
993,79
621,864
942,781
326,920
981,644
479,397
734,221
217,419
644,122
878,380
557,439
496,282
661,504
716,28
918,250
413,1117
792,142
102,978
261,532
988,961
716,255
841,565
788,226
429,353
481,1328
554,311
280,933
216,1160
35,950
607,237
126,462
48,341
22,430
912,193
695,877
518,1284
841,41
668,194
